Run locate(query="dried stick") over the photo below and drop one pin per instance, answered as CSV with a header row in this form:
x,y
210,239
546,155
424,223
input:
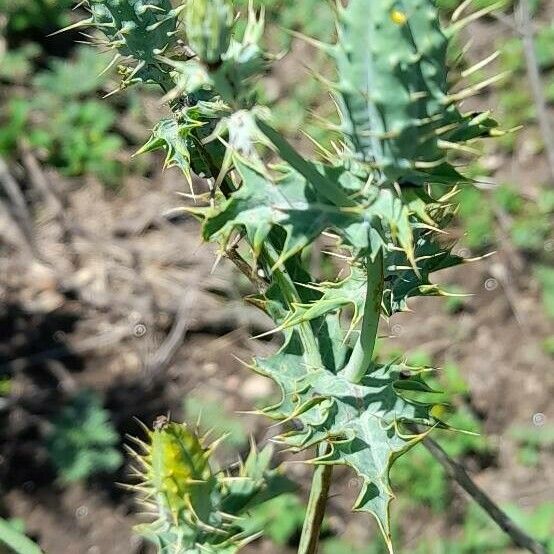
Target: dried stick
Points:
x,y
523,19
19,211
161,359
457,472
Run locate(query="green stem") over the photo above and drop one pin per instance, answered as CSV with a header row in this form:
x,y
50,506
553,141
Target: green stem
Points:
x,y
362,355
312,356
317,504
321,479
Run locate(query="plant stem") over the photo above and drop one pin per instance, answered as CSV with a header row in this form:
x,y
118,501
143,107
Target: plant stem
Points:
x,y
362,355
457,472
317,503
321,479
525,27
312,356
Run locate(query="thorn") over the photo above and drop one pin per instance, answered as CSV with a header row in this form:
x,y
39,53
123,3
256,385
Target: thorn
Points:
x,y
145,446
79,24
414,96
154,26
327,48
218,258
115,91
471,91
429,165
144,8
446,128
270,332
327,83
460,9
328,125
225,167
324,152
142,426
479,258
460,24
176,11
447,145
113,61
139,66
476,67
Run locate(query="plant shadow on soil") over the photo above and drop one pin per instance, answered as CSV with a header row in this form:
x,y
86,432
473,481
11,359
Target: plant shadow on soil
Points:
x,y
33,358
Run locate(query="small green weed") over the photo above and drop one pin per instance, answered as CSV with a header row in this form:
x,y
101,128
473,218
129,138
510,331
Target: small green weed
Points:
x,y
62,119
532,441
83,441
23,15
280,518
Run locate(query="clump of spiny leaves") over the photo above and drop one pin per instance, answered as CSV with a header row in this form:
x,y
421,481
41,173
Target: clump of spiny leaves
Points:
x,y
383,190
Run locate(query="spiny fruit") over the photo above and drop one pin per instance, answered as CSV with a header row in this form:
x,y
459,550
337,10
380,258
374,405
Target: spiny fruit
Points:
x,y
177,470
198,509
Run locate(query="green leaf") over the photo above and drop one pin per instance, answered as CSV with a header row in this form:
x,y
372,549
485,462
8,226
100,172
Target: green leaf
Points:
x,y
75,77
325,187
289,202
403,282
406,135
16,541
280,518
82,441
363,423
334,296
175,140
298,206
255,484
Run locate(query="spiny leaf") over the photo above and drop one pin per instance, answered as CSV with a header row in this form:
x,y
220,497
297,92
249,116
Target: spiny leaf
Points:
x,y
386,46
143,29
304,211
255,484
181,139
402,282
176,140
290,202
335,296
362,422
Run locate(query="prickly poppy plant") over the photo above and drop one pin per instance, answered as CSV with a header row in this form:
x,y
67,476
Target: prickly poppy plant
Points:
x,y
383,192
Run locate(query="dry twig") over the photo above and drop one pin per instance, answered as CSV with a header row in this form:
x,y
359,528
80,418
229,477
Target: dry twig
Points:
x,y
523,20
457,472
17,210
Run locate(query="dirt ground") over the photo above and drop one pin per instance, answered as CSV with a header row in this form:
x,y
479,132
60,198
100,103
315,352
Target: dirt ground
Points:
x,y
111,293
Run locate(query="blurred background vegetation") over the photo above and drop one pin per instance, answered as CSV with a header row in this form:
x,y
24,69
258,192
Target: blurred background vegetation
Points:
x,y
95,266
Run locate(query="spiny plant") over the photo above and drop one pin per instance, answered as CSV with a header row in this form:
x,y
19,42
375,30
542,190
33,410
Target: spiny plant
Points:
x,y
200,509
82,440
60,117
382,193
